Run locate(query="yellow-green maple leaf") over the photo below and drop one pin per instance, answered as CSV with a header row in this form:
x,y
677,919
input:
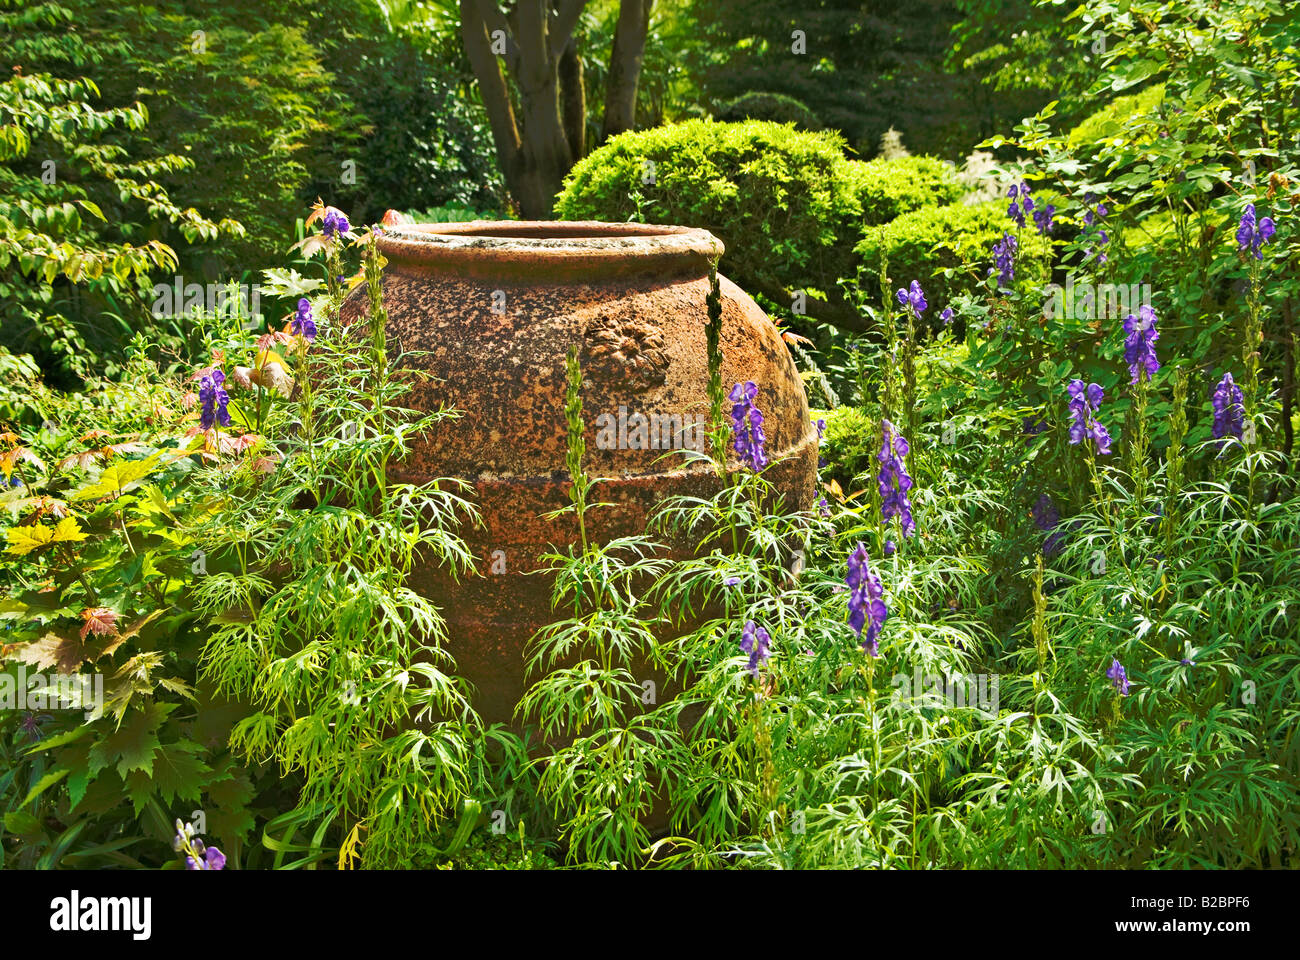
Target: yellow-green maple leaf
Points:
x,y
118,477
23,540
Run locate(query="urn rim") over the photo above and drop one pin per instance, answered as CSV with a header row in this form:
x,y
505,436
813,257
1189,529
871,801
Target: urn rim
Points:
x,y
555,250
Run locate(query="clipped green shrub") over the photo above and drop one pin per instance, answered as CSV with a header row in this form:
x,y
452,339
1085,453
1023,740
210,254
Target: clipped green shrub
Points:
x,y
780,199
787,203
949,249
762,105
889,188
846,443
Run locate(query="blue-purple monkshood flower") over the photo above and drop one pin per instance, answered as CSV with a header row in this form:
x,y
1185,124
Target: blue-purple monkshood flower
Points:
x,y
303,324
1045,514
1140,343
1033,426
1084,404
1004,257
866,601
214,399
1043,219
1048,519
946,316
754,640
894,481
823,508
1118,677
1092,219
1229,411
914,299
890,548
1017,210
334,222
1252,235
747,425
821,429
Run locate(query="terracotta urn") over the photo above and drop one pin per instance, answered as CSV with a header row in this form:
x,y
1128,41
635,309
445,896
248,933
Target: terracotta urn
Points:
x,y
496,307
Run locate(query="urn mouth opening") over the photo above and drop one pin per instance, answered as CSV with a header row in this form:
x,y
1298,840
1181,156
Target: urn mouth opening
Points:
x,y
539,250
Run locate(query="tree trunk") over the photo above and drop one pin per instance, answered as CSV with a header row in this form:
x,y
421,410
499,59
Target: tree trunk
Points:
x,y
625,66
574,100
536,154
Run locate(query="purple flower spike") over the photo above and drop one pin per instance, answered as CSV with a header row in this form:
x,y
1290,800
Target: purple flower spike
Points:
x,y
1043,219
1252,235
1004,256
1118,677
213,399
1084,403
1229,413
754,640
913,298
747,425
303,325
866,601
1139,345
334,222
894,481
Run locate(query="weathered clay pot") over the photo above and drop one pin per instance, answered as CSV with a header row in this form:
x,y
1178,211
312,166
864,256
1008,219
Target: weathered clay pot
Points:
x,y
497,306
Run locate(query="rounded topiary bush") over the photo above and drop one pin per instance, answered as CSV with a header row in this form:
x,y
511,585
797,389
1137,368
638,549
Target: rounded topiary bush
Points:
x,y
923,244
787,203
887,189
761,105
780,199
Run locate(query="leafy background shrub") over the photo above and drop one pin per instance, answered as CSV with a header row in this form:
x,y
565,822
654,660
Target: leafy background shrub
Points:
x,y
774,107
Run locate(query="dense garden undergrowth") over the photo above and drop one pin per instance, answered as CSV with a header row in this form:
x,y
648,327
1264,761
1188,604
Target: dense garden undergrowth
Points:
x,y
1045,611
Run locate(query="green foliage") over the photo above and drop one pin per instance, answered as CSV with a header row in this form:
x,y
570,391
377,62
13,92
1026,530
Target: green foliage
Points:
x,y
887,189
863,70
76,209
761,105
96,568
252,111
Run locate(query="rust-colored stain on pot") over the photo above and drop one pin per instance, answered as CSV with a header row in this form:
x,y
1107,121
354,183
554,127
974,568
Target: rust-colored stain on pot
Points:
x,y
497,305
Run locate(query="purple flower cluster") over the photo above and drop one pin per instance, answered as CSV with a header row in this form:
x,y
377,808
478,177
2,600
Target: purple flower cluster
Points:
x,y
214,398
1025,205
1004,258
756,642
894,481
334,222
198,856
1229,412
747,425
1252,235
1044,219
1140,344
303,324
1084,404
1092,221
1047,518
914,299
1118,677
1045,514
866,601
